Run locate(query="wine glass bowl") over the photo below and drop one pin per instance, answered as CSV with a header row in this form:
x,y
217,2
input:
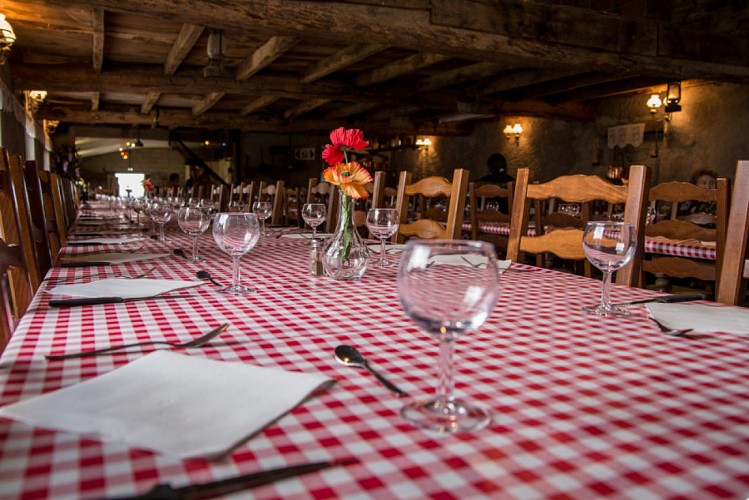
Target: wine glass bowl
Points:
x,y
383,223
609,246
263,210
236,233
161,212
194,221
447,299
314,215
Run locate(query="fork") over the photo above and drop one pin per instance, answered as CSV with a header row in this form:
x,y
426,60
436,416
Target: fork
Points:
x,y
674,332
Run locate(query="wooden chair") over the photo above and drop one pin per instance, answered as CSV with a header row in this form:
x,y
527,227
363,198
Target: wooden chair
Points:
x,y
424,228
733,272
70,200
567,243
292,207
681,228
38,217
273,193
480,212
53,210
323,192
13,300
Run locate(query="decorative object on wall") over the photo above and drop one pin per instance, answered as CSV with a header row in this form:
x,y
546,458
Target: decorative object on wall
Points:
x,y
7,38
624,135
654,103
513,130
34,99
304,154
673,97
423,143
215,49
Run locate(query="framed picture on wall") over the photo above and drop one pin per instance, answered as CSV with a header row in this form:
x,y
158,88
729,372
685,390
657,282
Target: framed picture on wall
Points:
x,y
304,154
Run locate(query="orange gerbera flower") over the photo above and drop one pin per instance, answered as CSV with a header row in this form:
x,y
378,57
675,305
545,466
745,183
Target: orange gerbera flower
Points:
x,y
351,177
343,140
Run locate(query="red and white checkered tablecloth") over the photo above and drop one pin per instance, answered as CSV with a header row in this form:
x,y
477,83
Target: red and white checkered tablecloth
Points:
x,y
583,406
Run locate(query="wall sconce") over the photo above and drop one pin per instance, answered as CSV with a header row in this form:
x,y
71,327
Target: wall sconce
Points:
x,y
513,130
215,48
34,99
654,103
673,97
423,143
7,38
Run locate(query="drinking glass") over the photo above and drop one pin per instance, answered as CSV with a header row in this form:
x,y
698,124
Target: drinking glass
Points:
x,y
447,300
609,246
262,209
194,221
314,215
236,233
161,213
383,223
235,206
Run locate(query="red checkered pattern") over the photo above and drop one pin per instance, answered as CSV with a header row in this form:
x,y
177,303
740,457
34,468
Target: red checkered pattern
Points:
x,y
584,407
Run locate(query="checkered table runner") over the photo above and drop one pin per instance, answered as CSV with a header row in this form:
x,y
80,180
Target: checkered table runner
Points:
x,y
583,407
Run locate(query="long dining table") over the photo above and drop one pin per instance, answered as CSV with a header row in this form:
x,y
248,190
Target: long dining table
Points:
x,y
583,406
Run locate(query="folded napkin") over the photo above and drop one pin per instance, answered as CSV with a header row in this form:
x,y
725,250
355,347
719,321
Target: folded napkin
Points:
x,y
702,318
122,287
179,405
306,236
113,257
467,260
389,249
106,241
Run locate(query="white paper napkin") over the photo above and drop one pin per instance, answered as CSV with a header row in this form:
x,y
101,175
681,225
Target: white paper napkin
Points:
x,y
123,287
107,241
113,257
390,249
702,318
174,404
306,236
467,260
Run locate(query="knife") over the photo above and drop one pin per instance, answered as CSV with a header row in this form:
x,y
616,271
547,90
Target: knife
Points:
x,y
91,263
665,299
234,484
90,301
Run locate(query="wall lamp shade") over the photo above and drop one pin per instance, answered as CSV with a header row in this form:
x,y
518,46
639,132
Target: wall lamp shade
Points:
x,y
7,37
654,103
513,131
673,97
423,143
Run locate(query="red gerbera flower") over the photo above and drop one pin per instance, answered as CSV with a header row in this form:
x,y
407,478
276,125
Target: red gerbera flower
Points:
x,y
350,139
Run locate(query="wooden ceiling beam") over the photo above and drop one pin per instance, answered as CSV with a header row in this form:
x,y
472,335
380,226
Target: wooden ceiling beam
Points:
x,y
398,68
257,104
207,103
97,19
460,75
265,55
339,60
354,109
305,107
522,78
149,102
188,35
95,101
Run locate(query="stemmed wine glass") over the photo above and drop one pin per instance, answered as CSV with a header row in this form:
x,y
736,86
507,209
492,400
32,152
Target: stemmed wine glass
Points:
x,y
235,205
447,300
263,210
236,233
194,221
609,246
383,223
161,213
314,215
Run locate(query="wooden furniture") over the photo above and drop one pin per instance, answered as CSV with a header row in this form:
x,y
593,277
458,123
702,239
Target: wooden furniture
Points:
x,y
732,282
567,243
274,193
10,257
680,228
424,228
40,227
58,230
324,192
292,207
482,212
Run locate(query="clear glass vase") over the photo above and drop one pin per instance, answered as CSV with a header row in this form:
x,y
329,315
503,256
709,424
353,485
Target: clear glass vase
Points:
x,y
345,256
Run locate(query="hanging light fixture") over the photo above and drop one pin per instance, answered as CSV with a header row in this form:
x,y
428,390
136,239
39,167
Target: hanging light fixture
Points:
x,y
215,49
673,97
654,103
7,38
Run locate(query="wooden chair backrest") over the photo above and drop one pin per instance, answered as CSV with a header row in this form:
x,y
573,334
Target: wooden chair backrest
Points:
x,y
38,217
10,258
55,194
477,195
429,187
51,213
378,190
732,282
567,243
274,193
679,228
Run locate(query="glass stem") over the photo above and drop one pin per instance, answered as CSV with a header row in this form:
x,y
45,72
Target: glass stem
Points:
x,y
235,271
314,232
162,239
195,248
606,290
382,249
445,382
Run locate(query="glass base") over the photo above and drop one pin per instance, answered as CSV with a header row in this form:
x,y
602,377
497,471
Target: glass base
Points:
x,y
382,263
611,311
196,259
237,290
446,416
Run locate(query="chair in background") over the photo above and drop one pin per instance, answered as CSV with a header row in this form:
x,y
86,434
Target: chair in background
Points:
x,y
38,218
58,231
11,262
733,272
672,195
567,243
70,200
273,193
431,187
482,199
324,192
292,207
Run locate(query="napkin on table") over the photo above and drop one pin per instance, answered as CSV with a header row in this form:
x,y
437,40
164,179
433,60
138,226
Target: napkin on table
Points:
x,y
106,241
183,406
113,257
389,248
123,287
467,260
702,318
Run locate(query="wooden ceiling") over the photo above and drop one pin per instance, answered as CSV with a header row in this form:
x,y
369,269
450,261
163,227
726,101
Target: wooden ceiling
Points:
x,y
395,66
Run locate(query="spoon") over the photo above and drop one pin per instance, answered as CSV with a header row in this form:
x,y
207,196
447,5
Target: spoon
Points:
x,y
203,339
203,275
179,252
349,356
674,332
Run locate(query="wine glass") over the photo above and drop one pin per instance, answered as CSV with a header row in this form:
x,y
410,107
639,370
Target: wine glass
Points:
x,y
236,233
383,223
609,246
161,213
447,300
235,205
314,215
262,209
194,221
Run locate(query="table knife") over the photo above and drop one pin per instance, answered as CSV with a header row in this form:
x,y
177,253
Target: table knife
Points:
x,y
85,264
234,484
90,301
665,299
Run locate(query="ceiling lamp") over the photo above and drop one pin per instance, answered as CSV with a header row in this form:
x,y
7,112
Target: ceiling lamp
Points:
x,y
215,48
7,38
673,96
